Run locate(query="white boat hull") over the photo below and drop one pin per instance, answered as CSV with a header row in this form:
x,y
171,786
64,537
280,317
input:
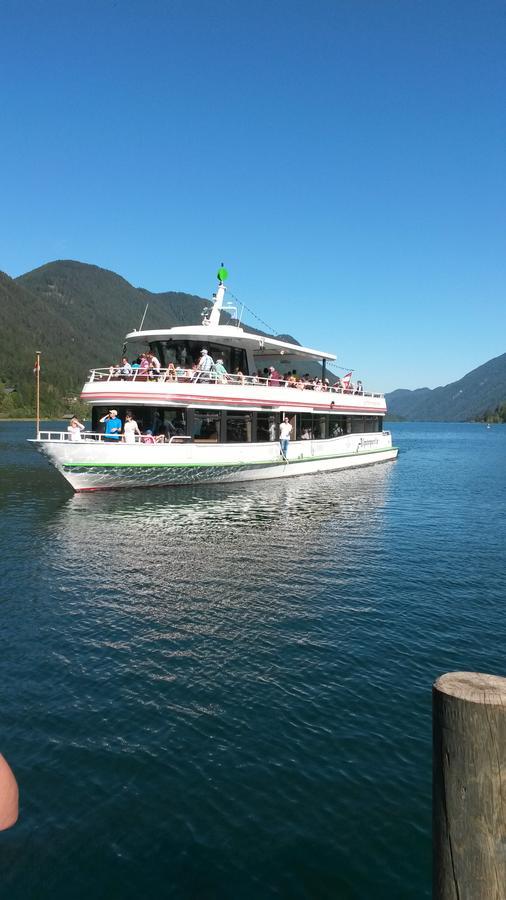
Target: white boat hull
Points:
x,y
90,465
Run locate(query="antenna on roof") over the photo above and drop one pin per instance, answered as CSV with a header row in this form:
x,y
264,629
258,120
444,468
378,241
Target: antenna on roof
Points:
x,y
144,316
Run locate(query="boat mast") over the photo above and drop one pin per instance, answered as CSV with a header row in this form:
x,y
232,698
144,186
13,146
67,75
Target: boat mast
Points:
x,y
214,318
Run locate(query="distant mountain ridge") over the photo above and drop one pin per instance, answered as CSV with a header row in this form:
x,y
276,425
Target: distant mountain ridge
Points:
x,y
480,391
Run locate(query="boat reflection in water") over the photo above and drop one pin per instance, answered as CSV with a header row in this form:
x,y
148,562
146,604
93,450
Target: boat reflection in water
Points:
x,y
150,551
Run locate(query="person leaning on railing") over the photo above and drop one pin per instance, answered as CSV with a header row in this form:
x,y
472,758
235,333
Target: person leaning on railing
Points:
x,y
220,371
125,368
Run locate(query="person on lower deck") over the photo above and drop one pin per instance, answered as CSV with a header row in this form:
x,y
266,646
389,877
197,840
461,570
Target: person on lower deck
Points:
x,y
130,430
74,429
112,425
285,430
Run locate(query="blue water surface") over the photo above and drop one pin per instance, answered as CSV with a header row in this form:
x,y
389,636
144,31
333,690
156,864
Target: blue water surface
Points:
x,y
225,692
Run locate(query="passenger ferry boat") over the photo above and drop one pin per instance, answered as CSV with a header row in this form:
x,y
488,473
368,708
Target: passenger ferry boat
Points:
x,y
218,426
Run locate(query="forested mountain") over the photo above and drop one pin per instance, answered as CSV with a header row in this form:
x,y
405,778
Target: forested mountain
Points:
x,y
477,394
77,316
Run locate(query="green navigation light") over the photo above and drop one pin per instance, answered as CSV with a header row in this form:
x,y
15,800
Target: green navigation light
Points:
x,y
222,273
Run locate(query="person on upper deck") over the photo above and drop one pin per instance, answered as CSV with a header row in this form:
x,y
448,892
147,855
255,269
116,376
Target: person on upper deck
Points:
x,y
220,371
154,365
144,366
170,373
125,368
204,366
274,377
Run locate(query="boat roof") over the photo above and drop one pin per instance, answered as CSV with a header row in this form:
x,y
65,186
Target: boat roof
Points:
x,y
233,335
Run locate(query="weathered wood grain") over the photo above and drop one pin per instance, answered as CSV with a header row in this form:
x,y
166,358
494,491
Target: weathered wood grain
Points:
x,y
469,787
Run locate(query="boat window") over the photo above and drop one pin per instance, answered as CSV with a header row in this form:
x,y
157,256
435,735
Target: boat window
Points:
x,y
305,430
239,427
186,353
206,426
158,348
337,426
267,427
320,427
166,420
357,424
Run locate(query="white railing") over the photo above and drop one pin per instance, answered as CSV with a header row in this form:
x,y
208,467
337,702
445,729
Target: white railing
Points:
x,y
92,436
187,376
84,436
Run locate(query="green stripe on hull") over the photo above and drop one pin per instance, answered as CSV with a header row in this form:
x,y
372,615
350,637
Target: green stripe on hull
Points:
x,y
222,466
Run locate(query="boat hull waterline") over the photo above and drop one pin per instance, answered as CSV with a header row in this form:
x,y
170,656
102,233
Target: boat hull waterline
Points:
x,y
94,466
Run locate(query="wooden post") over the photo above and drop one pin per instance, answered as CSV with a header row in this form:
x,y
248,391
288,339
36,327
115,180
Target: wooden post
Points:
x,y
469,787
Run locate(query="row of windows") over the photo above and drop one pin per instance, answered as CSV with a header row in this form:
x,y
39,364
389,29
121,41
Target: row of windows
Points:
x,y
185,353
240,427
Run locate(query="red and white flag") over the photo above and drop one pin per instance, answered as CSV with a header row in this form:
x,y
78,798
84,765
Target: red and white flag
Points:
x,y
346,379
36,367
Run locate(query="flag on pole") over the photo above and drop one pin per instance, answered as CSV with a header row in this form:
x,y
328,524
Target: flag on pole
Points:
x,y
346,379
36,367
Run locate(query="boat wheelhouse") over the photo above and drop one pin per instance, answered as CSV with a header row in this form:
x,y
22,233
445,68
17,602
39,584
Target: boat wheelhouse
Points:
x,y
220,423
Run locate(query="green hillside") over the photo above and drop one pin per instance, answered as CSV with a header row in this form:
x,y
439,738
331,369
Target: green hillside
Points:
x,y
77,316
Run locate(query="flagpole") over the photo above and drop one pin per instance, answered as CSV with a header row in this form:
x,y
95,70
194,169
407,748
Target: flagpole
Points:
x,y
37,373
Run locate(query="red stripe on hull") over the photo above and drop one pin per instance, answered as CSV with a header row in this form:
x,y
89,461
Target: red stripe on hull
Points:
x,y
226,401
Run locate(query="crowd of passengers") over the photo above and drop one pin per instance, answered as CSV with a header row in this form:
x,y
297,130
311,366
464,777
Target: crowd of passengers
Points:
x,y
147,367
115,430
128,432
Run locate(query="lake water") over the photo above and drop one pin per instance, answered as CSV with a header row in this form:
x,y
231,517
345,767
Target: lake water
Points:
x,y
225,692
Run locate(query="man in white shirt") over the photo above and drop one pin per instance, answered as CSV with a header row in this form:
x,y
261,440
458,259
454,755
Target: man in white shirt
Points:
x,y
285,431
204,366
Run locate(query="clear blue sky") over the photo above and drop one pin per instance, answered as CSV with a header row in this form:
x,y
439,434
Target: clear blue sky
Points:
x,y
344,158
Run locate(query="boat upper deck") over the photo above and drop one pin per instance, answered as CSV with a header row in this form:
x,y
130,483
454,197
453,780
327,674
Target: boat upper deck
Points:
x,y
190,388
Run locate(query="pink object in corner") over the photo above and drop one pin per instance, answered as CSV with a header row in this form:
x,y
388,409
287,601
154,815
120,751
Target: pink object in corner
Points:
x,y
9,796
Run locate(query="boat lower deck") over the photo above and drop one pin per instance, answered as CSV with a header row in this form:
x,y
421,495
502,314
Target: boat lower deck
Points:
x,y
91,465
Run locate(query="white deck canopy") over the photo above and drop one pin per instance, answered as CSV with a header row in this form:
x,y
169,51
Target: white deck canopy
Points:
x,y
232,335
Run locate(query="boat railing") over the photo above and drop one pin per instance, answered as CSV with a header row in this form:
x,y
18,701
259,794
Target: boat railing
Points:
x,y
188,376
92,436
83,436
